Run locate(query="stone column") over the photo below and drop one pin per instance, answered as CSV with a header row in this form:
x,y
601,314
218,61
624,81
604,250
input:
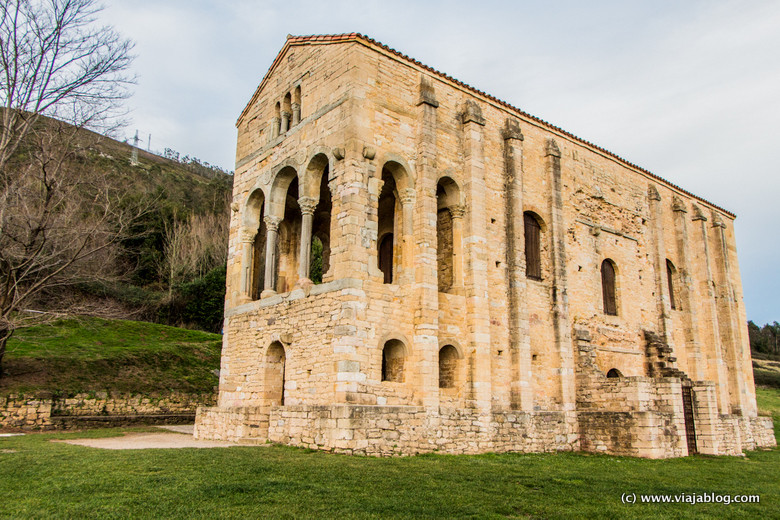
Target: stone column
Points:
x,y
728,320
246,236
478,354
684,294
424,244
720,374
659,266
296,113
285,121
407,198
272,228
519,334
560,289
275,124
457,213
307,205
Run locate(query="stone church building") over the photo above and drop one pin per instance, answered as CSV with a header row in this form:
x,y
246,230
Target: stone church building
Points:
x,y
417,266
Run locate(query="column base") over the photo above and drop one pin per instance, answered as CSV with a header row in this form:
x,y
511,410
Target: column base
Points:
x,y
304,283
267,292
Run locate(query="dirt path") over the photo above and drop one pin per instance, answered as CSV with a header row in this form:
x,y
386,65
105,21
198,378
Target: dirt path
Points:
x,y
176,437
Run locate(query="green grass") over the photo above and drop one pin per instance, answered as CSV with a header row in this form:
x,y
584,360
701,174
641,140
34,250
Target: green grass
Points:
x,y
766,372
93,354
768,400
42,479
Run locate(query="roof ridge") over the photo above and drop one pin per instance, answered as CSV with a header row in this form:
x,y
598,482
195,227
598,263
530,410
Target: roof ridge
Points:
x,y
355,36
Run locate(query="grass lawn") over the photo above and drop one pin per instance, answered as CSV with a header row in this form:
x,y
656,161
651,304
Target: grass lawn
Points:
x,y
93,354
46,479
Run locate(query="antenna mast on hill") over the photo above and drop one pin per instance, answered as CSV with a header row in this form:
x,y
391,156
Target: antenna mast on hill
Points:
x,y
149,144
134,154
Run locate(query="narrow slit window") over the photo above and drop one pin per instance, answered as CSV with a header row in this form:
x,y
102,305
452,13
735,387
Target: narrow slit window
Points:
x,y
670,282
608,287
533,260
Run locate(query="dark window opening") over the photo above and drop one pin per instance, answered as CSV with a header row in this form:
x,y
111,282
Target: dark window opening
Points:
x,y
669,281
533,260
608,288
386,257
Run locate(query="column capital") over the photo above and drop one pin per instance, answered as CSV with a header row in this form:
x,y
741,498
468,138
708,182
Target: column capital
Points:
x,y
717,221
246,235
457,211
427,94
652,193
272,222
551,148
472,113
511,130
286,114
295,106
307,205
407,196
678,205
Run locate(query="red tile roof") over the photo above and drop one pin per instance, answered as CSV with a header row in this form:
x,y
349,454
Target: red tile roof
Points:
x,y
320,39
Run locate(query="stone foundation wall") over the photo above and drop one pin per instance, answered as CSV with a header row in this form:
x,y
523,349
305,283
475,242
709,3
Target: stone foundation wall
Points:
x,y
26,412
392,430
232,424
637,434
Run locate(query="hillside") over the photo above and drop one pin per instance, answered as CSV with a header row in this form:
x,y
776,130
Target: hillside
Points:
x,y
96,355
143,277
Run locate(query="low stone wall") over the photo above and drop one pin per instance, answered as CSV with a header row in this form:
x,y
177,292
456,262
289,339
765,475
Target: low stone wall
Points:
x,y
636,434
25,412
635,416
391,430
232,424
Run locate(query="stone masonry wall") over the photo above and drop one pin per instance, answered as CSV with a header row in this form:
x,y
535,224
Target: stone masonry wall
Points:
x,y
19,411
409,430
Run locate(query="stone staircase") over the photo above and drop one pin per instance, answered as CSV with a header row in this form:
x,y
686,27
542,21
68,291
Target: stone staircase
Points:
x,y
661,361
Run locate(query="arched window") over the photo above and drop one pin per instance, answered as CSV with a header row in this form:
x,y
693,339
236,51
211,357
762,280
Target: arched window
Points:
x,y
288,241
533,252
448,364
608,287
614,373
670,281
296,106
393,355
275,360
277,124
320,244
286,113
448,251
386,225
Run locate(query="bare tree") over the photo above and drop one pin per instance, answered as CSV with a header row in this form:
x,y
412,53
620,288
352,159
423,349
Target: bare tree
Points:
x,y
60,223
194,247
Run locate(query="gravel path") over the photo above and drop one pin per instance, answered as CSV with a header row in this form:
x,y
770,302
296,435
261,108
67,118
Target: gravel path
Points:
x,y
176,437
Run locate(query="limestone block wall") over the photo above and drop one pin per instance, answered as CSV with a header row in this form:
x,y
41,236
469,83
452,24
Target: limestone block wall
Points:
x,y
28,412
18,411
409,430
314,330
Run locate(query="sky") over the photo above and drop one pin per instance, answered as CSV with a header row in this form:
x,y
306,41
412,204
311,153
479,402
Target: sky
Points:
x,y
688,90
